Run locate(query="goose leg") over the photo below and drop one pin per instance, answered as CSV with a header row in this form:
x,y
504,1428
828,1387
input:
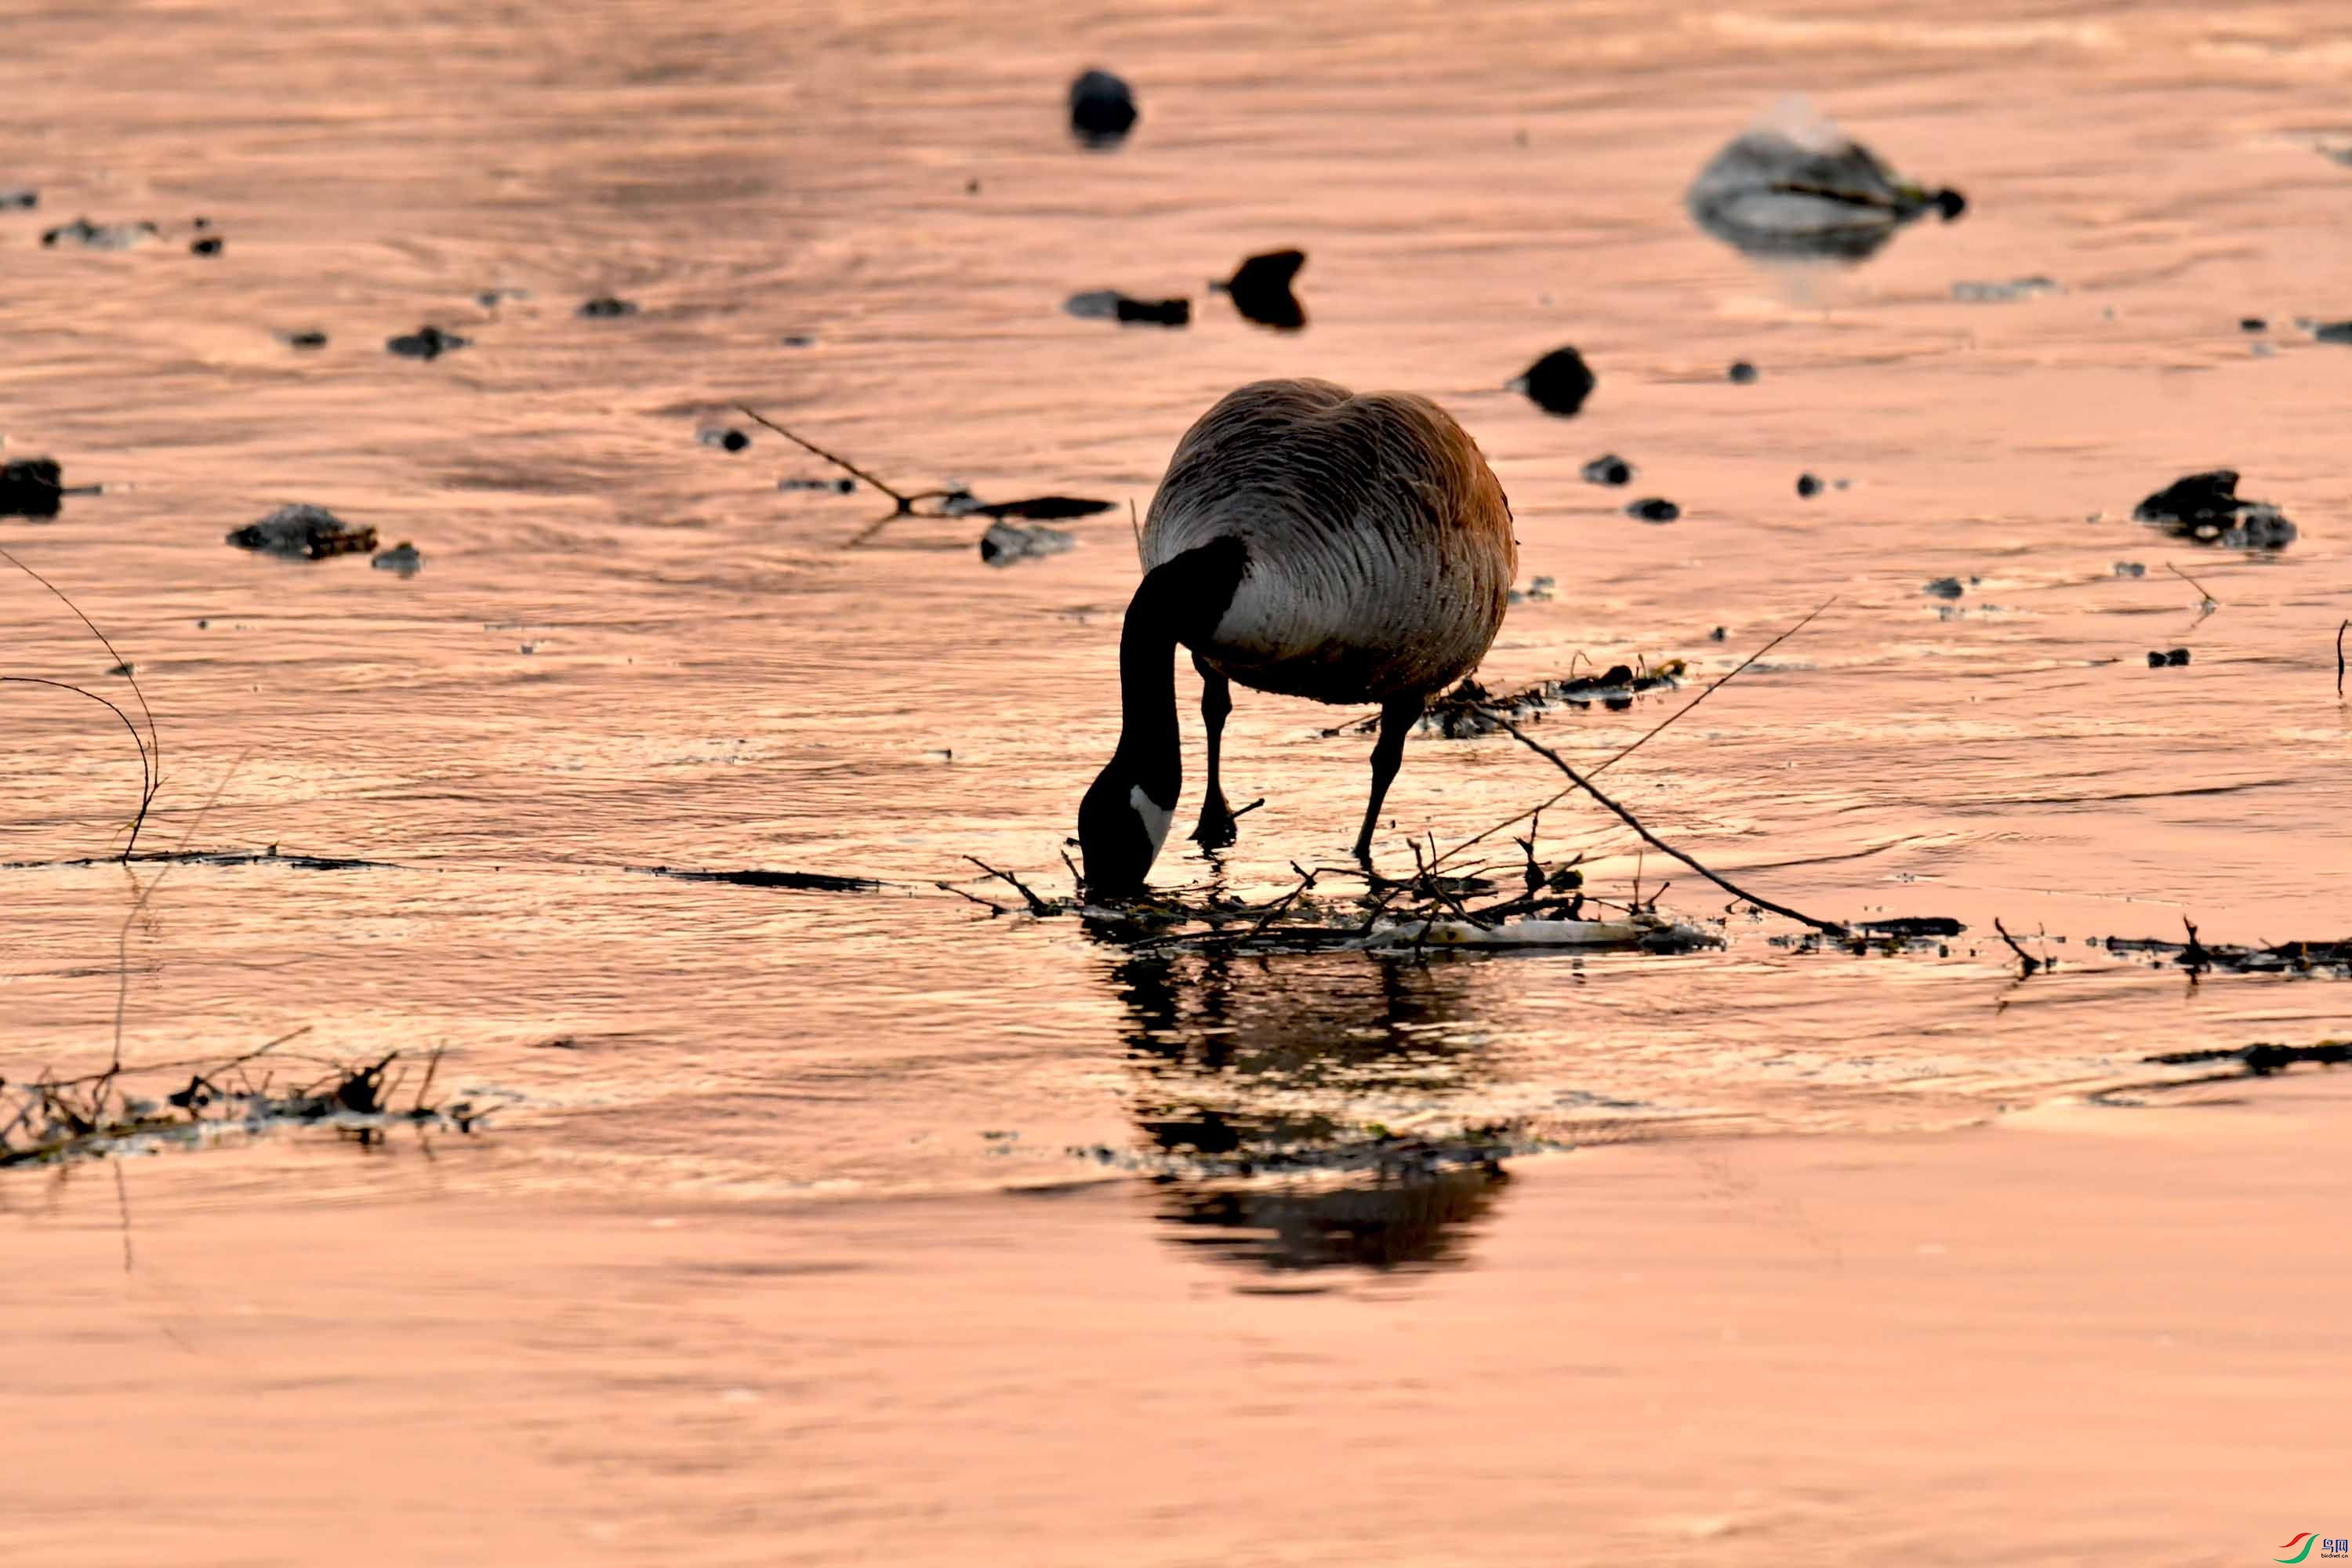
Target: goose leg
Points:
x,y
1398,716
1216,829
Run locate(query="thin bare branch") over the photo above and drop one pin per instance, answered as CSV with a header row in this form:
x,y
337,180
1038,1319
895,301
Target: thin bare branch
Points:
x,y
1829,927
906,502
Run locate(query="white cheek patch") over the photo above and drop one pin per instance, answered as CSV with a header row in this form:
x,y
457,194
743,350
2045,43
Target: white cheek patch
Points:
x,y
1155,816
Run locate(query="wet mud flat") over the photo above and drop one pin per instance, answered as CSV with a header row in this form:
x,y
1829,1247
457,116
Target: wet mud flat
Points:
x,y
1764,1351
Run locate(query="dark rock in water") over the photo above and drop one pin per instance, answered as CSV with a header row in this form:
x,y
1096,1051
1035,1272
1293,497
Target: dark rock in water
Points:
x,y
1808,486
1102,109
403,558
2333,333
1945,588
1109,305
1718,634
836,486
1608,469
2205,509
426,342
799,341
1558,383
2156,660
1005,542
99,235
31,487
1741,372
1654,509
306,340
304,533
18,198
2252,324
1803,188
721,437
1261,290
604,307
209,244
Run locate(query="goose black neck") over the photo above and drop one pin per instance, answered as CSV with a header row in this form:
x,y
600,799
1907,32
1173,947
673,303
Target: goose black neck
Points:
x,y
1179,601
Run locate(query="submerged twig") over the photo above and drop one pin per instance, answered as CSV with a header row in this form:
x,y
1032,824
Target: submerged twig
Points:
x,y
1830,927
2339,656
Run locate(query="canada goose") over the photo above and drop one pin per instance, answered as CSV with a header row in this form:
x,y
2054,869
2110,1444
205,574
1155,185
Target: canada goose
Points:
x,y
1310,542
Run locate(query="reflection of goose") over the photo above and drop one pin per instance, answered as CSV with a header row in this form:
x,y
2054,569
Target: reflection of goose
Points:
x,y
1796,185
1243,1074
1309,542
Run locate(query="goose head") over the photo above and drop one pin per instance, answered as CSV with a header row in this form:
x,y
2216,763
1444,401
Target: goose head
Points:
x,y
1123,819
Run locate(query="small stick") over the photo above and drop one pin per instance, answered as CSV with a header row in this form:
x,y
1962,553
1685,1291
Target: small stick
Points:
x,y
146,778
1655,729
1828,927
150,750
2210,600
1077,877
1038,906
1135,524
1305,883
906,502
2027,959
2340,657
968,897
426,1087
1237,816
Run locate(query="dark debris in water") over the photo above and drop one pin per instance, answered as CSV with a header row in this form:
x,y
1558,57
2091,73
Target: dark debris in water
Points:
x,y
1609,468
426,342
101,236
2262,1058
2160,659
1006,542
403,560
1909,928
2331,957
604,307
1468,709
795,881
1261,290
304,533
1653,509
132,1110
1558,383
1808,192
1110,305
206,244
31,487
1102,109
269,857
2205,509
